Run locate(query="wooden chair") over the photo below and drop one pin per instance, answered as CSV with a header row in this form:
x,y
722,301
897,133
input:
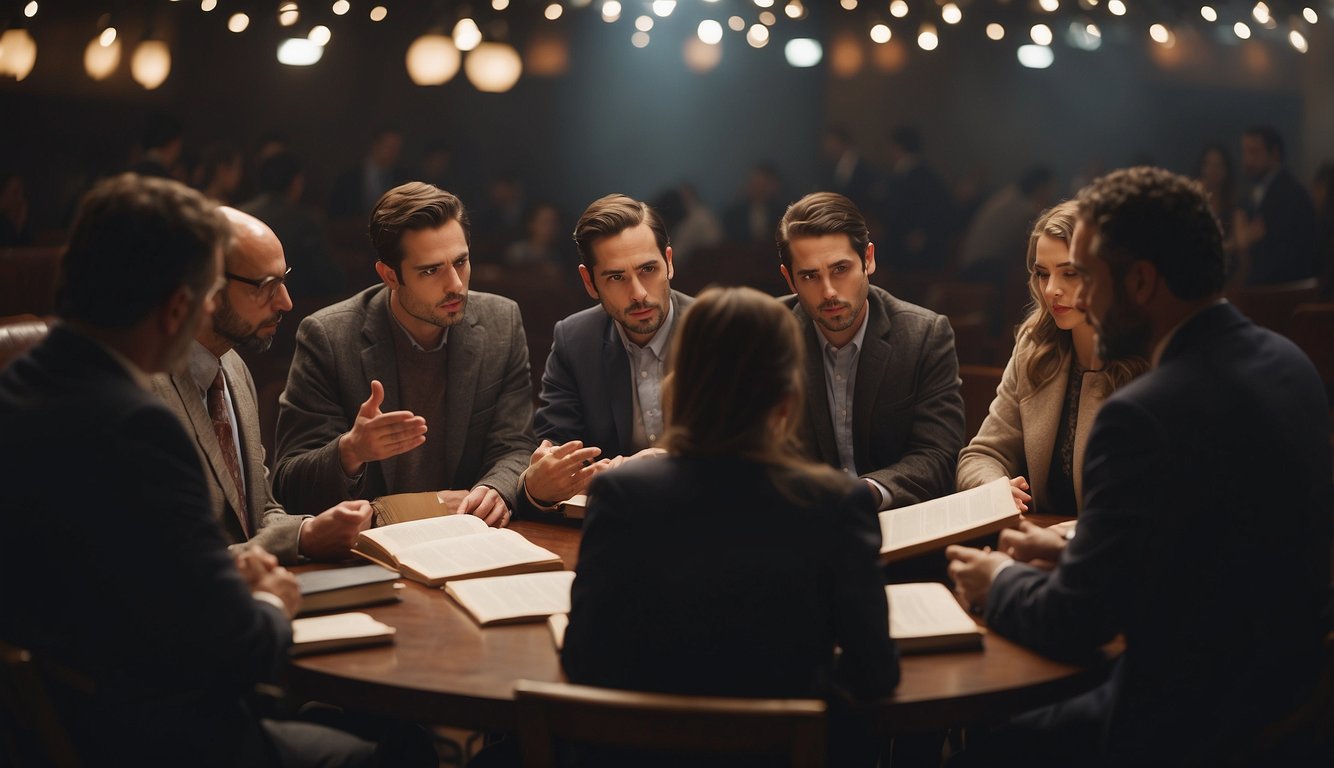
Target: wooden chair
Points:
x,y
979,389
1271,305
31,732
20,336
1312,328
666,722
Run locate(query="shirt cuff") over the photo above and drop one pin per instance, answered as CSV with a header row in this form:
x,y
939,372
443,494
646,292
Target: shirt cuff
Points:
x,y
542,505
884,493
271,599
996,573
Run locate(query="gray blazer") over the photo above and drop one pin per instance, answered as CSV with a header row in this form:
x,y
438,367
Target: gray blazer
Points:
x,y
341,348
272,528
1019,433
907,425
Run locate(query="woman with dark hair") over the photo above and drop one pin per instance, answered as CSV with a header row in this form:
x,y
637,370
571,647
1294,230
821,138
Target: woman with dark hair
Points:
x,y
732,565
1038,425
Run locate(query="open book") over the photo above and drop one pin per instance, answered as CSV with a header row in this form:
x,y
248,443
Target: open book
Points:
x,y
925,617
514,599
439,549
911,531
337,632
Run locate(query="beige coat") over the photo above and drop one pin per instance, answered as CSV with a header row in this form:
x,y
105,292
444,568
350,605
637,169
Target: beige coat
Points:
x,y
1019,433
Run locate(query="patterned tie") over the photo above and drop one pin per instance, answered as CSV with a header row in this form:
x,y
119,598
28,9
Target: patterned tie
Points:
x,y
222,427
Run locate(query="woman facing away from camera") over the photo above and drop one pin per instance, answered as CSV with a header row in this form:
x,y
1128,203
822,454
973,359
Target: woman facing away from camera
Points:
x,y
1038,425
732,566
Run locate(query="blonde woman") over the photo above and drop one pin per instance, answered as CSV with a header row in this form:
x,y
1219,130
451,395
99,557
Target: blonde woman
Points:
x,y
1038,425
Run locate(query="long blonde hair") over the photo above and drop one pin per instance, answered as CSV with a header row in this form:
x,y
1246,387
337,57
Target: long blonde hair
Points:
x,y
1050,342
736,357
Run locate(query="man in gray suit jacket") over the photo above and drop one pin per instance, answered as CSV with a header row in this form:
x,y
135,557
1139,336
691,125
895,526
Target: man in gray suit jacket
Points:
x,y
602,386
882,379
249,310
454,364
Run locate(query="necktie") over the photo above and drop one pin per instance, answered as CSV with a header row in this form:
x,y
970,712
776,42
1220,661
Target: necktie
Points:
x,y
222,427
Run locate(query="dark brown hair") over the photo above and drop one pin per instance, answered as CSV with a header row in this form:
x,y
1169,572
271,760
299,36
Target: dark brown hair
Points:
x,y
822,213
612,215
411,206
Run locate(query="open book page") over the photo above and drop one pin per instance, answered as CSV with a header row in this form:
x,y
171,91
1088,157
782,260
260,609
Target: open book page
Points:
x,y
394,539
341,630
950,519
557,622
925,616
520,597
488,553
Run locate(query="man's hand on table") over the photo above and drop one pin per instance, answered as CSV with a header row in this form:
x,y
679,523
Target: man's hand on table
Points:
x,y
557,472
263,574
972,571
482,501
331,534
1039,547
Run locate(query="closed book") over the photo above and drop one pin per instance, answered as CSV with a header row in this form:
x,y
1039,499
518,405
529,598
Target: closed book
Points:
x,y
925,617
338,632
440,549
513,599
932,525
339,588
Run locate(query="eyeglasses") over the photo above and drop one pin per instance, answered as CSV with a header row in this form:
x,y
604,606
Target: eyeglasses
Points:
x,y
265,288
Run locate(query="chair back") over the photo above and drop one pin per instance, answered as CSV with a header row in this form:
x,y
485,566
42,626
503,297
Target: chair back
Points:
x,y
31,732
1271,305
20,336
699,725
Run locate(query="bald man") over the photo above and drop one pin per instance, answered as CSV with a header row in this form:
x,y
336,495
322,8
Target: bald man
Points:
x,y
214,397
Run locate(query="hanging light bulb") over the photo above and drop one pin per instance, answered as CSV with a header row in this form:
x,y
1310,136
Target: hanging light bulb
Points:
x,y
432,59
493,67
18,53
467,35
99,60
151,63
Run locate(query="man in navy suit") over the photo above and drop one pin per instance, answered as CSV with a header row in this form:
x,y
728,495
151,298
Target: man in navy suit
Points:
x,y
602,387
120,575
1276,223
1205,535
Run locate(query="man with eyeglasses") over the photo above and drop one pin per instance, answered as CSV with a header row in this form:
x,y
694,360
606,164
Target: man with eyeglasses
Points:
x,y
214,397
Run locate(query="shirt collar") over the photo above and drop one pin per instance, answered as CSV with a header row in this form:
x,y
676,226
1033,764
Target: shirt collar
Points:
x,y
658,344
444,337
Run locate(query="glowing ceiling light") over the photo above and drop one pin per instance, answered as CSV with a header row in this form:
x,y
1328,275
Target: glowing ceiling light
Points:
x,y
299,52
794,10
379,12
30,9
639,39
1241,30
757,36
1298,41
1208,13
553,11
710,32
150,64
951,14
1117,8
18,53
927,39
768,19
1307,13
736,23
611,11
803,52
848,5
493,67
1160,34
320,35
288,14
1041,34
644,23
1050,6
880,33
107,37
341,7
764,3
432,59
500,5
995,31
1261,13
238,22
664,8
1036,56
206,6
898,9
467,35
99,61
1086,37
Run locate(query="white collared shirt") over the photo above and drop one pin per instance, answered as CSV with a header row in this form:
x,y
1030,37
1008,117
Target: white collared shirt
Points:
x,y
647,365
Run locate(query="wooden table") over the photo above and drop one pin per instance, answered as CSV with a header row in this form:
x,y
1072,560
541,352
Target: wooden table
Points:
x,y
444,669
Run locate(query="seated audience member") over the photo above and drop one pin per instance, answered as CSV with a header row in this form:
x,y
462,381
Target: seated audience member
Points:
x,y
122,578
541,244
1205,535
373,373
991,243
1275,224
214,397
732,566
602,386
301,229
882,379
1322,195
1039,422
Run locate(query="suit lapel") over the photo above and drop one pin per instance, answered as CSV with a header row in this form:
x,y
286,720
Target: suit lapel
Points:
x,y
616,372
247,428
872,363
1045,405
462,368
378,360
208,441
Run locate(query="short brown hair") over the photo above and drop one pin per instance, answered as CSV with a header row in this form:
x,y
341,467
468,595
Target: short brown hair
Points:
x,y
612,215
412,206
135,241
822,213
1155,215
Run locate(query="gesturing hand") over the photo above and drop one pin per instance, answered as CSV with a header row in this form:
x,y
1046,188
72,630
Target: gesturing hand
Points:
x,y
1033,544
557,472
375,436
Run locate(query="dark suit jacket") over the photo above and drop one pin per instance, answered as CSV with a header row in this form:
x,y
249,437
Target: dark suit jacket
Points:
x,y
117,568
1287,252
1204,539
907,425
586,385
697,576
339,349
269,524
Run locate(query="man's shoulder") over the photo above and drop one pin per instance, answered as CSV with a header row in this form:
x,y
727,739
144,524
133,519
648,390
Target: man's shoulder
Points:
x,y
349,310
491,303
898,309
590,320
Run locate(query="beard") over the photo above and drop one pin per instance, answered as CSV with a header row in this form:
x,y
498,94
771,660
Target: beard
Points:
x,y
428,313
245,338
647,326
1124,331
843,322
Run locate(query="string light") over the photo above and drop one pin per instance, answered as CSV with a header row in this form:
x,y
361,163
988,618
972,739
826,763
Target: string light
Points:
x,y
644,23
1298,41
238,23
898,9
1307,13
951,14
1116,8
880,33
664,8
1041,34
379,12
995,31
1241,30
30,9
1050,6
1208,13
611,11
757,36
341,7
927,39
553,11
736,24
